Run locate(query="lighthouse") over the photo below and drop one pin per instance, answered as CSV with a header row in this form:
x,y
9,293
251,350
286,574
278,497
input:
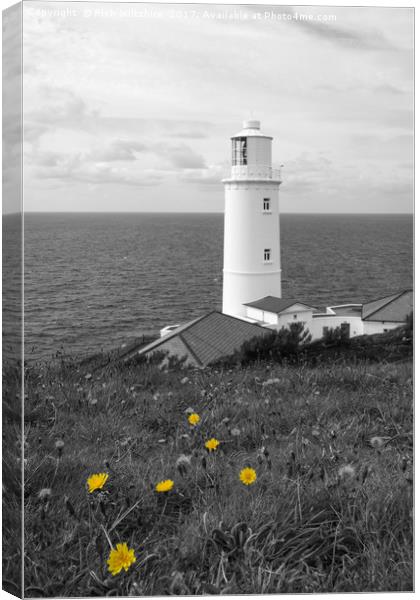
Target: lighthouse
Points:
x,y
251,263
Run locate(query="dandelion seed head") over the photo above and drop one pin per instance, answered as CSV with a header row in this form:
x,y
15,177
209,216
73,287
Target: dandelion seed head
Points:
x,y
59,444
346,472
235,432
183,463
44,494
377,442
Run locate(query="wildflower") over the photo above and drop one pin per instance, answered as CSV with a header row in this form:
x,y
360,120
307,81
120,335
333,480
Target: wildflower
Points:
x,y
212,444
164,486
183,463
346,472
194,419
235,432
120,558
248,476
377,442
97,481
59,445
44,494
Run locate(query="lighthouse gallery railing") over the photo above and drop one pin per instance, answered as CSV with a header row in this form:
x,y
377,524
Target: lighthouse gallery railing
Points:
x,y
254,172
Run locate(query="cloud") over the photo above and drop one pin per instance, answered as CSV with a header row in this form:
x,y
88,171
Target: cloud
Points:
x,y
137,101
75,169
384,88
183,157
387,88
61,108
207,176
362,39
118,150
113,163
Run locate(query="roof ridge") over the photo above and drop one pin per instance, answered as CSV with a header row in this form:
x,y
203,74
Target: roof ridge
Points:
x,y
156,343
237,319
197,358
393,298
285,302
216,346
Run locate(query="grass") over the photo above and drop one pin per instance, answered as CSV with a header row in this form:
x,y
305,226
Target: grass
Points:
x,y
330,510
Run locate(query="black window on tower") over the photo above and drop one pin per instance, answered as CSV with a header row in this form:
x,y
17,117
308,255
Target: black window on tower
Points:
x,y
266,204
239,156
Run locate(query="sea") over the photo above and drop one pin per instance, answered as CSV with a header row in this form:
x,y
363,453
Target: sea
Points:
x,y
97,282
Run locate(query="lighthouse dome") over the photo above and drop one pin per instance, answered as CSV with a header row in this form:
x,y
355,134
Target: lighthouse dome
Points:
x,y
251,128
252,124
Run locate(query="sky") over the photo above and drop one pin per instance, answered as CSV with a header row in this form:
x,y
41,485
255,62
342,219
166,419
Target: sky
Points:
x,y
130,107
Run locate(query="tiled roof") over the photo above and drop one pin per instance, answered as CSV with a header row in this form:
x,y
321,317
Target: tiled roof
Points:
x,y
275,305
209,338
392,308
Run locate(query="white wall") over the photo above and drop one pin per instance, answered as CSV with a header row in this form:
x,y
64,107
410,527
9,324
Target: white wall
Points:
x,y
372,327
260,315
248,231
302,316
254,313
282,320
318,323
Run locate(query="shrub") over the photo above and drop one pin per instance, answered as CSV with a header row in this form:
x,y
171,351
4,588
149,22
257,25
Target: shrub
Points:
x,y
274,346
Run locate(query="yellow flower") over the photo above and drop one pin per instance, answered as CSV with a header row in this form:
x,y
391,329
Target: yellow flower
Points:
x,y
120,558
194,419
248,476
164,486
97,481
212,444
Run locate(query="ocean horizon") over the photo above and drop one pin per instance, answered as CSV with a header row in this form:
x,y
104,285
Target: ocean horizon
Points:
x,y
95,281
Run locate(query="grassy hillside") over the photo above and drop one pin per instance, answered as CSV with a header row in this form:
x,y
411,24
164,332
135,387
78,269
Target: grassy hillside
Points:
x,y
331,509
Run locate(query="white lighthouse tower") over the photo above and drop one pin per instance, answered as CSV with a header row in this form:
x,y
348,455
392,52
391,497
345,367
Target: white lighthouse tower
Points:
x,y
251,268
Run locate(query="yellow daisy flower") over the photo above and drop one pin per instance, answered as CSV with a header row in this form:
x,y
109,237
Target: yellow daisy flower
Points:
x,y
164,486
120,558
212,444
194,419
97,481
248,476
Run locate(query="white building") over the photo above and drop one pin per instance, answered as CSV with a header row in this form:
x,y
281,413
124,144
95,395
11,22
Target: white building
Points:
x,y
252,268
251,259
252,272
377,316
